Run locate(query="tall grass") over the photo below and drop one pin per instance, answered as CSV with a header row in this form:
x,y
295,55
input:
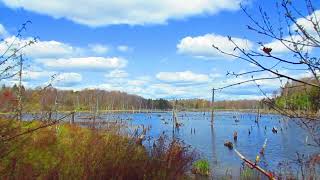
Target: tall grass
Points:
x,y
71,152
250,174
201,167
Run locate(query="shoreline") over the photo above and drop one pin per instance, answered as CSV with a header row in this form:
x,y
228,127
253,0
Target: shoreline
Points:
x,y
261,111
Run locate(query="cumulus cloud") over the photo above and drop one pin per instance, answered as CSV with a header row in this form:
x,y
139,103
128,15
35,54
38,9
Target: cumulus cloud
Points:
x,y
124,48
201,46
85,63
168,90
43,49
151,88
99,48
117,74
285,46
29,75
215,75
3,31
52,48
137,82
139,85
133,12
306,24
157,90
68,79
185,76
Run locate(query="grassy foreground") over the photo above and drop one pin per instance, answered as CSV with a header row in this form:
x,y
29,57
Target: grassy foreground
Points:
x,y
71,152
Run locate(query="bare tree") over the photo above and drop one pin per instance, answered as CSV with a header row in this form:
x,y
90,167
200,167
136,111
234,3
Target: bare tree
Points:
x,y
11,49
11,66
298,33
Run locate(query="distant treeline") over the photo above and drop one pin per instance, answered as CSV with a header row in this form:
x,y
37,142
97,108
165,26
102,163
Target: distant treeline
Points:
x,y
205,104
52,99
49,99
238,104
191,104
294,96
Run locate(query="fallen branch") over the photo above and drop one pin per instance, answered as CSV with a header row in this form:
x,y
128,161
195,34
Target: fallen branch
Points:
x,y
253,165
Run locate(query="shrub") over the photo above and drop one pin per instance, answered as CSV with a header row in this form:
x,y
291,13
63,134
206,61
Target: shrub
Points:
x,y
71,152
201,167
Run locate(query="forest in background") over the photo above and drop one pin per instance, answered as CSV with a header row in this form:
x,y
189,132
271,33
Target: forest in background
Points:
x,y
50,99
293,96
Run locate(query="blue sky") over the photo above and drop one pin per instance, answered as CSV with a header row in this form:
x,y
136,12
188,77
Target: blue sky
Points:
x,y
150,48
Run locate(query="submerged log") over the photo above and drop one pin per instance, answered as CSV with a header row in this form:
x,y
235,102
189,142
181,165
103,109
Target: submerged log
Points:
x,y
274,130
229,145
235,136
253,165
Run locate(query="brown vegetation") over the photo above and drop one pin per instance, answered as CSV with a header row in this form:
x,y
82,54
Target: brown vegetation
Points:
x,y
71,152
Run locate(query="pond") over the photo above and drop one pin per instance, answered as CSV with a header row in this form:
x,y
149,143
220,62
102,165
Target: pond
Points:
x,y
209,140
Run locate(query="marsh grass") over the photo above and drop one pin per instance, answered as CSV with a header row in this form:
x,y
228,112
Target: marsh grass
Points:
x,y
72,152
201,167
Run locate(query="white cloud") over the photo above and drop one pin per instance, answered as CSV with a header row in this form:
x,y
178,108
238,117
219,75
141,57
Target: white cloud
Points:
x,y
67,79
276,46
127,84
36,75
99,48
167,90
215,75
124,48
158,90
284,47
137,82
3,31
252,65
43,49
49,49
52,48
117,74
133,12
185,76
201,46
306,24
279,47
98,63
151,88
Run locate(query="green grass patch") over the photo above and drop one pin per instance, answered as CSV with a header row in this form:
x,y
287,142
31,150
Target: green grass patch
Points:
x,y
201,167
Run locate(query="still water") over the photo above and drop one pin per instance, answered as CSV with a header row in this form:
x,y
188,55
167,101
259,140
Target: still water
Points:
x,y
209,140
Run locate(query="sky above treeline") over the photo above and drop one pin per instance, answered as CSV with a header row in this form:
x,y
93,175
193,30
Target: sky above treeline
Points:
x,y
159,48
